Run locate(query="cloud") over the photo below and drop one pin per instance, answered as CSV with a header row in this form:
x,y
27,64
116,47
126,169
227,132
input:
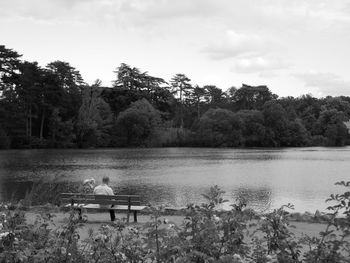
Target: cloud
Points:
x,y
244,14
251,36
236,44
265,66
55,11
326,83
169,9
272,15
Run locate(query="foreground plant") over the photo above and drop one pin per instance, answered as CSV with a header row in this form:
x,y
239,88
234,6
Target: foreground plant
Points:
x,y
333,244
208,234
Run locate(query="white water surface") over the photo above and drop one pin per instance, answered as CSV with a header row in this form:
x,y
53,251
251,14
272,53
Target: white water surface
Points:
x,y
265,178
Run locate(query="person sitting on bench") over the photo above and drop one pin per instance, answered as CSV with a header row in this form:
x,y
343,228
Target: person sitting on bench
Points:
x,y
104,189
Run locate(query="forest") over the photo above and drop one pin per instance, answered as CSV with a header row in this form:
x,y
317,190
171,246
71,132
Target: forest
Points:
x,y
53,107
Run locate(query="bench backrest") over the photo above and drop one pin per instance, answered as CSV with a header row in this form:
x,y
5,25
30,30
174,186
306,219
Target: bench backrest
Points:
x,y
77,198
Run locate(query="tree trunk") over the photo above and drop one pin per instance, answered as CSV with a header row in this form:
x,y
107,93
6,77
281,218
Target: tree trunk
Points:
x,y
27,123
198,111
30,121
42,124
181,110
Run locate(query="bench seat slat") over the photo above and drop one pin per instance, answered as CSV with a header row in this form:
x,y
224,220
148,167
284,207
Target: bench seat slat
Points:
x,y
129,203
105,197
76,195
117,207
101,202
119,197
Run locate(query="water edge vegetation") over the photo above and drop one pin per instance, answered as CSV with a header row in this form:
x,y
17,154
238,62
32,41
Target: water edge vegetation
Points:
x,y
52,107
205,235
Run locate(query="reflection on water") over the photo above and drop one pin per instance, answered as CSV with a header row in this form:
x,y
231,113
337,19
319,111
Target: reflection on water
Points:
x,y
265,178
258,199
14,190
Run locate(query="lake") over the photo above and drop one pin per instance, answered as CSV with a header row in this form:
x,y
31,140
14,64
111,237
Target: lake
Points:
x,y
266,178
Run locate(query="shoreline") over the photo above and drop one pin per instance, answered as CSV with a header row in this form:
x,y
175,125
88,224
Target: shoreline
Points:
x,y
306,217
95,220
95,224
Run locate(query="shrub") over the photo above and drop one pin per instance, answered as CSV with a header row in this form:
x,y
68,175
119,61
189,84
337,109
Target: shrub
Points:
x,y
208,234
220,128
136,125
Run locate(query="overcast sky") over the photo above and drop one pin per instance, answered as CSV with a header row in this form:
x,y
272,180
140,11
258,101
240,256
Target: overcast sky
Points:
x,y
294,47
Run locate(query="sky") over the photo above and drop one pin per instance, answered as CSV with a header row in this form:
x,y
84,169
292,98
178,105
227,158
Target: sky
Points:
x,y
294,47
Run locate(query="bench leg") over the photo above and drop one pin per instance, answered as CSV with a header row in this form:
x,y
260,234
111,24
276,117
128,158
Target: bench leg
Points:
x,y
112,214
127,217
135,216
80,212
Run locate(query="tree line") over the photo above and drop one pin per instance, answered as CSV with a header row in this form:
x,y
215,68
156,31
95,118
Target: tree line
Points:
x,y
53,107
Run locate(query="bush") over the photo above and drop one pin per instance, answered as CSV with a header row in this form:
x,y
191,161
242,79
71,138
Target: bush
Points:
x,y
174,137
220,128
47,192
206,235
136,125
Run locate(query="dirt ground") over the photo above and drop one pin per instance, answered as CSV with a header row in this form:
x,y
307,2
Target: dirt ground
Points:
x,y
95,220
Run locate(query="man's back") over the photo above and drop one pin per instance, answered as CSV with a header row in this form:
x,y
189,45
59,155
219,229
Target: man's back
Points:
x,y
103,189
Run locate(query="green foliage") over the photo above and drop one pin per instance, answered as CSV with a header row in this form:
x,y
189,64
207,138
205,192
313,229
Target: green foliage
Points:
x,y
214,96
331,125
333,244
254,129
298,135
252,98
137,125
181,88
68,84
208,234
42,193
95,118
54,107
61,132
9,65
173,137
220,128
276,121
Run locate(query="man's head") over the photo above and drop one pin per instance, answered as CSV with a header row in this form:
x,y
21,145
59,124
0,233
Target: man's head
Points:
x,y
105,180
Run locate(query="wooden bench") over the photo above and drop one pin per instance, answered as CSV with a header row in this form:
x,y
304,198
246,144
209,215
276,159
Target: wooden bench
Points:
x,y
128,203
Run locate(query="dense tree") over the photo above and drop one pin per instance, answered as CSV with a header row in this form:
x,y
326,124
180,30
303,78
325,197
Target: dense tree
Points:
x,y
339,104
11,112
252,97
276,124
253,127
71,84
197,98
95,118
53,107
137,125
69,78
298,135
129,78
181,88
230,93
288,104
214,96
132,85
9,66
331,125
30,90
220,128
61,132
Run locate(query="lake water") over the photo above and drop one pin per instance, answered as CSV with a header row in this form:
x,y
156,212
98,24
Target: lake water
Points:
x,y
266,178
